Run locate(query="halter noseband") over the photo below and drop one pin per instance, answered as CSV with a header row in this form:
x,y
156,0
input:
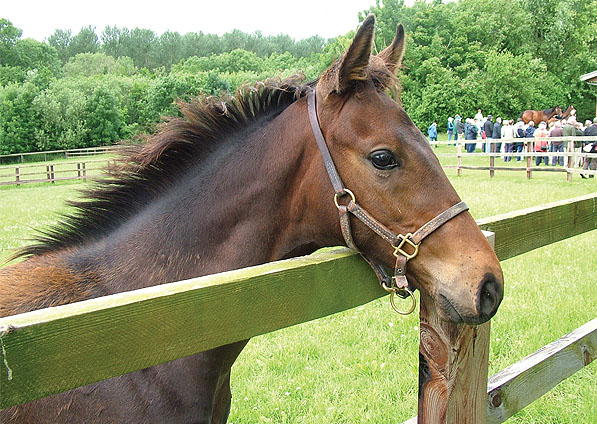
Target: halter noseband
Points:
x,y
405,246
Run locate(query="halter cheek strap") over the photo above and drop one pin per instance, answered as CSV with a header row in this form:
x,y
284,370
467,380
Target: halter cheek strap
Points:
x,y
405,247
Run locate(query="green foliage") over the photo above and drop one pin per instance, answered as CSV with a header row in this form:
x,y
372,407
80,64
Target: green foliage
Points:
x,y
17,118
104,120
88,64
9,35
500,56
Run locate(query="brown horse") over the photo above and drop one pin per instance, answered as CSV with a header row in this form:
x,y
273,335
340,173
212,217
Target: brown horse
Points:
x,y
540,115
569,111
241,182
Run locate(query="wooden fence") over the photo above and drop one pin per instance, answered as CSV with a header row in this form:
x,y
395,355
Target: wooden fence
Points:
x,y
571,154
83,169
87,151
52,172
117,334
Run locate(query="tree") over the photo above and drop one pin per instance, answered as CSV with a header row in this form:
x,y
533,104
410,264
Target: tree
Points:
x,y
60,40
18,120
9,35
85,41
30,54
88,64
104,119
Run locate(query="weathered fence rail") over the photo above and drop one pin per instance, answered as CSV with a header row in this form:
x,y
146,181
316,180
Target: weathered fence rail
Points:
x,y
573,155
87,151
52,172
56,349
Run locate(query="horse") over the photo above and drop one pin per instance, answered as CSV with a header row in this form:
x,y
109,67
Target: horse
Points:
x,y
569,111
540,115
238,181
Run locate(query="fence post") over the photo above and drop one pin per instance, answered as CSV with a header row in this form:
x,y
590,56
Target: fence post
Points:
x,y
491,159
529,148
18,176
79,170
52,173
569,160
453,363
84,171
459,166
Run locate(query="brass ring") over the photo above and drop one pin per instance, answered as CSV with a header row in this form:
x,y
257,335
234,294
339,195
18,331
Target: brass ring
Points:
x,y
346,191
412,306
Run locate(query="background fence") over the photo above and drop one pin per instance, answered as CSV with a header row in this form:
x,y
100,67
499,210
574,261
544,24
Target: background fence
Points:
x,y
121,333
573,156
83,167
70,153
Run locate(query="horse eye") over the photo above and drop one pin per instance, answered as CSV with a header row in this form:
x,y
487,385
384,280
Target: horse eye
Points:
x,y
383,159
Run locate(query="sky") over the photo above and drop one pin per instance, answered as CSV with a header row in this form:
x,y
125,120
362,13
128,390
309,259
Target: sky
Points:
x,y
327,18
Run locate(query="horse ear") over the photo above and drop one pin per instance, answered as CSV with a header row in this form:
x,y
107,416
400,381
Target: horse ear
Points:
x,y
392,55
352,66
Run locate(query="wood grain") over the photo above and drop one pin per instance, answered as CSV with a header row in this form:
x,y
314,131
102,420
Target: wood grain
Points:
x,y
452,369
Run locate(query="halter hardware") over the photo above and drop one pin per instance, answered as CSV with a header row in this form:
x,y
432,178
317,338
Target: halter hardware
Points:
x,y
407,239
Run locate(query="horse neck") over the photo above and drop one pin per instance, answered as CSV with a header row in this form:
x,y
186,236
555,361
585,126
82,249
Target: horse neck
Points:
x,y
239,208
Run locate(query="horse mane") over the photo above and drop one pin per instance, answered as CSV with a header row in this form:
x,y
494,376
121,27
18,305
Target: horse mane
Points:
x,y
548,111
143,171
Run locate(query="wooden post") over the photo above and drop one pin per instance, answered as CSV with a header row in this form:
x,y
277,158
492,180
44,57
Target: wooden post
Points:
x,y
569,161
48,172
453,362
18,176
529,148
79,170
84,172
452,369
52,173
458,167
491,159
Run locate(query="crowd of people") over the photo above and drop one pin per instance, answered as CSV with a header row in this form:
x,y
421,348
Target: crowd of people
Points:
x,y
533,137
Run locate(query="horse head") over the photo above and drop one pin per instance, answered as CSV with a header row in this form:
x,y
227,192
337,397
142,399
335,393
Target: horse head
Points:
x,y
385,161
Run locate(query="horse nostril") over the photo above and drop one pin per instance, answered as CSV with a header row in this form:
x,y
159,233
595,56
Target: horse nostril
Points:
x,y
490,296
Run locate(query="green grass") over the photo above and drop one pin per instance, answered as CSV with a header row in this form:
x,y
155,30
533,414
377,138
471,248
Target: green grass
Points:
x,y
360,366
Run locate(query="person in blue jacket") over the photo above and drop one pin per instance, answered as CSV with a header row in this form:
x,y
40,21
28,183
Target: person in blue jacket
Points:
x,y
432,131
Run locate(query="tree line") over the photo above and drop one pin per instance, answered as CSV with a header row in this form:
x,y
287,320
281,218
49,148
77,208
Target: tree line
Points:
x,y
86,90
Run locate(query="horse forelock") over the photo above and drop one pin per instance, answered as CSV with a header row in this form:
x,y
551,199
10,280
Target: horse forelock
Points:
x,y
145,170
377,73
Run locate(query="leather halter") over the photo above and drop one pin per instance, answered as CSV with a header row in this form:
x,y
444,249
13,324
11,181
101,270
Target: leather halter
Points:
x,y
405,246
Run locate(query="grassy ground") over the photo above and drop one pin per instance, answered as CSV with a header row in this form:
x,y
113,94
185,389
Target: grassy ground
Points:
x,y
360,366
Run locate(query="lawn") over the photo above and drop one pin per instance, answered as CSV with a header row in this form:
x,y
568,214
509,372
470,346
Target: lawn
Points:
x,y
360,366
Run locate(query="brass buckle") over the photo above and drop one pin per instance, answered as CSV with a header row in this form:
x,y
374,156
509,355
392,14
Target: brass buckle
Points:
x,y
344,193
398,251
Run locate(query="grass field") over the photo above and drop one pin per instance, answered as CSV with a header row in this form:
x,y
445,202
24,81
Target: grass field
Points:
x,y
360,366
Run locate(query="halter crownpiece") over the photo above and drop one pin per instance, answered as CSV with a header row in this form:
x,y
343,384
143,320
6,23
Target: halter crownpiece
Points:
x,y
405,247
